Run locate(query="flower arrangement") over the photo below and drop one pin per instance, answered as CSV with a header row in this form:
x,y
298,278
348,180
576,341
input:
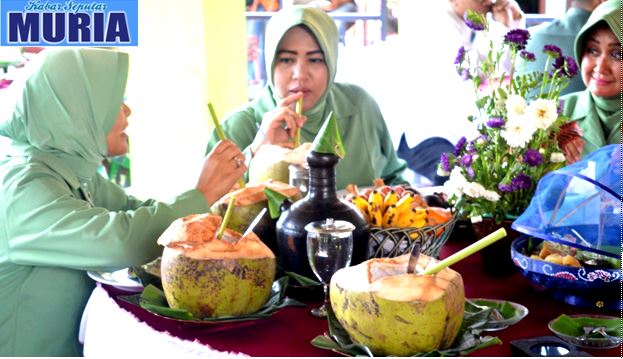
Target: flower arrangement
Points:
x,y
519,128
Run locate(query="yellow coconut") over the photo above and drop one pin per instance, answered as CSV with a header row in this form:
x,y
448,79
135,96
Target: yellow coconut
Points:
x,y
213,277
395,313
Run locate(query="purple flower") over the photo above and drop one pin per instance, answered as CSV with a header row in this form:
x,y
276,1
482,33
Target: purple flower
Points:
x,y
495,122
571,67
517,38
521,181
532,158
444,162
459,146
505,187
558,66
465,75
474,20
470,172
466,160
460,56
527,55
552,50
566,66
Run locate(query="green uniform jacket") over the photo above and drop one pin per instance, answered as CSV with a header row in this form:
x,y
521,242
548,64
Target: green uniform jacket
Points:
x,y
58,217
369,149
599,130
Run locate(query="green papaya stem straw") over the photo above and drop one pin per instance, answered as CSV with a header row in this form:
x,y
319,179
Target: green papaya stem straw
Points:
x,y
226,217
217,124
299,111
465,252
221,134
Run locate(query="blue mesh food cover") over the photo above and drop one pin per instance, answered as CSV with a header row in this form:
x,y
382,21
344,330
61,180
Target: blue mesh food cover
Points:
x,y
579,205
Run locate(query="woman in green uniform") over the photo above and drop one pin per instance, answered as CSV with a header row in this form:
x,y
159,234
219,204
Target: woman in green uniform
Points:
x,y
597,109
58,217
301,60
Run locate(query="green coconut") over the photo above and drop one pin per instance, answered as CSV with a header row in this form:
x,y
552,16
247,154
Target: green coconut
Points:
x,y
395,313
269,164
212,277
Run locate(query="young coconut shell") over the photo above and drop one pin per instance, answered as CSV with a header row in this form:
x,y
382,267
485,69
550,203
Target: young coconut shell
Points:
x,y
395,313
249,202
213,277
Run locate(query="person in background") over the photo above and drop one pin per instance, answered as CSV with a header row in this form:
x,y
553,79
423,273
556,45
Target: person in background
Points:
x,y
597,110
506,15
59,217
301,58
440,93
341,6
560,32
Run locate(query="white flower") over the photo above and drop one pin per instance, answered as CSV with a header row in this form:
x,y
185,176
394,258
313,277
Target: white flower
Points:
x,y
476,190
454,185
543,112
518,131
441,172
491,196
557,157
515,105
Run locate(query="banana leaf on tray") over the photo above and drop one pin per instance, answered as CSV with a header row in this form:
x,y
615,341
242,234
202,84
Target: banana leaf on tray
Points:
x,y
468,340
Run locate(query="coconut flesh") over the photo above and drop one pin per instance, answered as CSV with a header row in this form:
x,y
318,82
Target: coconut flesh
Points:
x,y
249,202
395,313
213,277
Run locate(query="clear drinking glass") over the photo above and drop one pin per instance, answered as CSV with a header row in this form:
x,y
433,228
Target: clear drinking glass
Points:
x,y
329,248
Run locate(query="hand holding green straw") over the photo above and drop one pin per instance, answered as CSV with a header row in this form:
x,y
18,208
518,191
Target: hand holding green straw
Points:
x,y
299,111
465,252
221,134
228,212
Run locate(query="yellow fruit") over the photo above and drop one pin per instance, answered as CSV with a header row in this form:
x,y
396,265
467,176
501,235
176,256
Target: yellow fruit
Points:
x,y
389,216
390,199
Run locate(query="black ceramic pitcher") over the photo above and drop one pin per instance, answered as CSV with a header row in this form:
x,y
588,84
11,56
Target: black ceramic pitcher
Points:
x,y
321,202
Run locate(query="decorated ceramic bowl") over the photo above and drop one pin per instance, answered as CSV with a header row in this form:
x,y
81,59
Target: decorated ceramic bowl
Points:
x,y
581,286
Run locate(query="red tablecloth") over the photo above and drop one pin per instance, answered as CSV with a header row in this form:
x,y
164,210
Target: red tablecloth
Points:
x,y
289,332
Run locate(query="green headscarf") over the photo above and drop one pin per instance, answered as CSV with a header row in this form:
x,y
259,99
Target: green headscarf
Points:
x,y
325,32
67,105
610,12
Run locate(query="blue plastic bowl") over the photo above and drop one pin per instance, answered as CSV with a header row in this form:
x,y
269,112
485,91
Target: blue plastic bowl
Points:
x,y
586,287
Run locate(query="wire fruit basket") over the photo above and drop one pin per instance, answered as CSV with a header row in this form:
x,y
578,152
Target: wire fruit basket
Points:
x,y
393,242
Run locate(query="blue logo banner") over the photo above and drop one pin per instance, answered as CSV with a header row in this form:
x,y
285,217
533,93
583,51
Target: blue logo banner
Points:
x,y
68,23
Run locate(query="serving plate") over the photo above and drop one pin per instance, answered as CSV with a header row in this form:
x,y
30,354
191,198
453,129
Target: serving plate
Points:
x,y
570,328
468,339
153,301
120,279
502,313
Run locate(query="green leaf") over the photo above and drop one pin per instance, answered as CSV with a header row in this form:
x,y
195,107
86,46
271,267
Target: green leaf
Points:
x,y
275,199
468,341
303,280
328,139
153,300
573,326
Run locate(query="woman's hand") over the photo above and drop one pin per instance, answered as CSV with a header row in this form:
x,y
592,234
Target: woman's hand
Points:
x,y
506,12
222,167
573,150
279,125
